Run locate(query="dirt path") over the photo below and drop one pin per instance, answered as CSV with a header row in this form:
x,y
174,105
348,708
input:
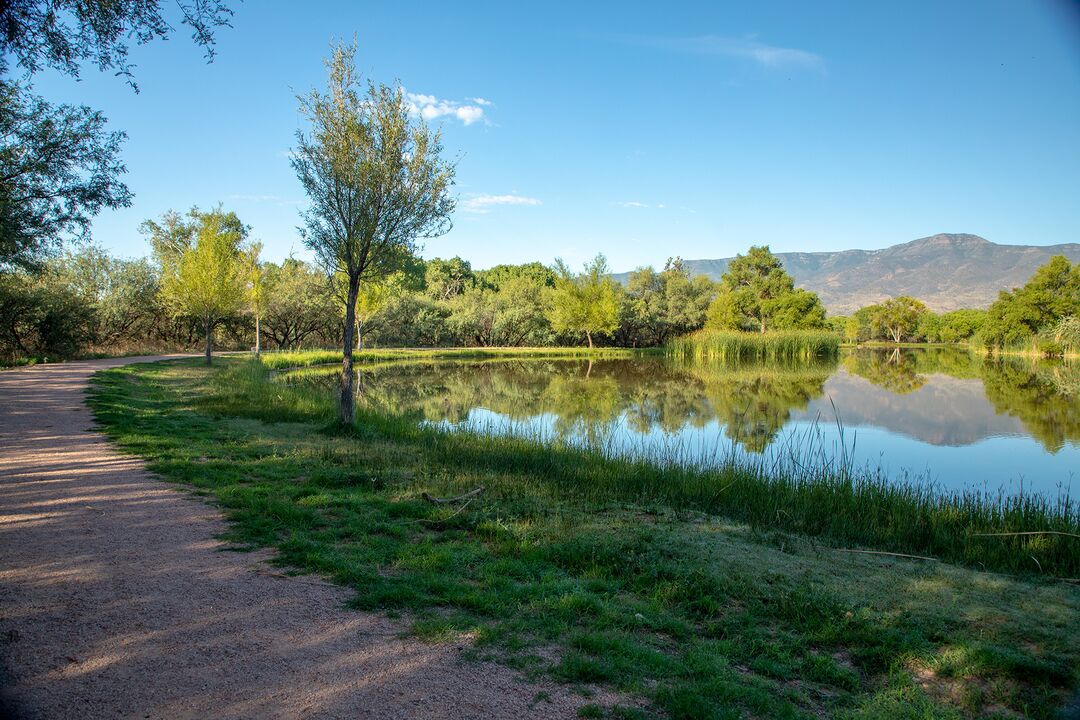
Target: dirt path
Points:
x,y
115,600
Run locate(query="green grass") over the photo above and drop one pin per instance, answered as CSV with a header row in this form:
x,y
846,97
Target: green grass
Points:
x,y
599,571
781,345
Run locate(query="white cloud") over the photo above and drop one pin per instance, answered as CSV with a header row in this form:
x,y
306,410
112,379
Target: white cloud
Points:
x,y
430,107
256,198
635,204
768,56
483,203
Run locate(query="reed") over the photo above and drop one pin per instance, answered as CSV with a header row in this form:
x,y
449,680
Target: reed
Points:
x,y
781,345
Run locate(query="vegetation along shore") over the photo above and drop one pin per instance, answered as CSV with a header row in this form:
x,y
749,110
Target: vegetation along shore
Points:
x,y
819,589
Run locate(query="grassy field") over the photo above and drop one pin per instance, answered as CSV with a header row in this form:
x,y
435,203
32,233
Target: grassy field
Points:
x,y
696,595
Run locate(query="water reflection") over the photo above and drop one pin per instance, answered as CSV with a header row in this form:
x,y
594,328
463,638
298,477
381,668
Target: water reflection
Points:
x,y
902,402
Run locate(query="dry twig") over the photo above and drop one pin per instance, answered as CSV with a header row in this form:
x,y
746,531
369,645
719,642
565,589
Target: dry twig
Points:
x,y
447,501
890,554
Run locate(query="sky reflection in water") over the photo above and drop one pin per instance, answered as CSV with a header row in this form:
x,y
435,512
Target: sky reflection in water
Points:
x,y
953,418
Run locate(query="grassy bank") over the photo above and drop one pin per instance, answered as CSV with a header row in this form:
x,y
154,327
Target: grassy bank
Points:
x,y
785,345
600,571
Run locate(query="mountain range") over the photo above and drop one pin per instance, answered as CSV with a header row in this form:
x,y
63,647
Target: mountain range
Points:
x,y
946,271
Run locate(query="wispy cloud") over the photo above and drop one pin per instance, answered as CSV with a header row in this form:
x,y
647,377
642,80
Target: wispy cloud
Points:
x,y
483,203
429,107
275,199
256,198
768,56
635,204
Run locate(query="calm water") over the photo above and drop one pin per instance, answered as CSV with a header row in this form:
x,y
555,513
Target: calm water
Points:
x,y
945,417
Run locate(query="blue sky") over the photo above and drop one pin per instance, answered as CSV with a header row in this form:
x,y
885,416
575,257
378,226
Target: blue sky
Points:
x,y
640,130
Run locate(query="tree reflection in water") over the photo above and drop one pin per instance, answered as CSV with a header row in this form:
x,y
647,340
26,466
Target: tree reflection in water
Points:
x,y
590,400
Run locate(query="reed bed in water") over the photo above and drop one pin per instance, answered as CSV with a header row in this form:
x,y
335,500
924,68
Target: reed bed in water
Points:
x,y
781,345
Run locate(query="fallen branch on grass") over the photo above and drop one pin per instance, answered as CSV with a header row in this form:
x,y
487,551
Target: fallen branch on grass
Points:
x,y
890,554
448,501
1028,532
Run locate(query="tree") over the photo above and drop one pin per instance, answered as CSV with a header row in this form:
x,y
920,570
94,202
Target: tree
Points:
x,y
959,325
377,185
120,296
205,276
899,317
662,304
299,304
445,279
584,304
59,167
64,34
756,293
1052,293
256,289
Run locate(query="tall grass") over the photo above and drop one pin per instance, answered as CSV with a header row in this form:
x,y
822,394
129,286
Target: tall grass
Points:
x,y
781,345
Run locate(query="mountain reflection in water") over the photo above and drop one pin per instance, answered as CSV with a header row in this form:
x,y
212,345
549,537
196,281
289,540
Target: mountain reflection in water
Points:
x,y
957,418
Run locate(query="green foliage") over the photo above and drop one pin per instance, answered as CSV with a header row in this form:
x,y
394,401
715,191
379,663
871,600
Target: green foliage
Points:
x,y
960,325
301,308
39,319
1052,293
756,293
204,266
895,319
446,279
1066,333
660,305
64,34
585,304
59,167
58,164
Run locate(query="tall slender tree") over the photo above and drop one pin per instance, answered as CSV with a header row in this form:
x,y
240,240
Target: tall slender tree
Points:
x,y
377,185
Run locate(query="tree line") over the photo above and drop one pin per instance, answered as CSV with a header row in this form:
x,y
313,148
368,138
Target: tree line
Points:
x,y
205,280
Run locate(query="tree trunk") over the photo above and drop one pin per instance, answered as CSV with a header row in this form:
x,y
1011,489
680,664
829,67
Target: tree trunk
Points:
x,y
762,326
588,336
258,336
347,403
209,339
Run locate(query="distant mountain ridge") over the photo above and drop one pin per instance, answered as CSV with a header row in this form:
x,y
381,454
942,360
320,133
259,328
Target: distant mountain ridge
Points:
x,y
946,271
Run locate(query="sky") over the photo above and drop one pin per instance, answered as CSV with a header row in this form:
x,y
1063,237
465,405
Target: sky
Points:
x,y
637,130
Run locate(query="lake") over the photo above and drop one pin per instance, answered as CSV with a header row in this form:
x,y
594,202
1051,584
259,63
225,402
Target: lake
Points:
x,y
942,416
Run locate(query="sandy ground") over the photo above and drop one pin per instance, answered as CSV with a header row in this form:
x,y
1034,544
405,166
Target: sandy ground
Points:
x,y
116,600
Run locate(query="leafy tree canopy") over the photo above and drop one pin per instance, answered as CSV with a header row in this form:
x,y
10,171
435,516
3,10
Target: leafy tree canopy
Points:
x,y
65,34
1051,294
756,293
59,167
585,304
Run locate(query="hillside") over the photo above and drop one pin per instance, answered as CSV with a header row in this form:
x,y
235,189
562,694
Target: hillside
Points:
x,y
946,271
